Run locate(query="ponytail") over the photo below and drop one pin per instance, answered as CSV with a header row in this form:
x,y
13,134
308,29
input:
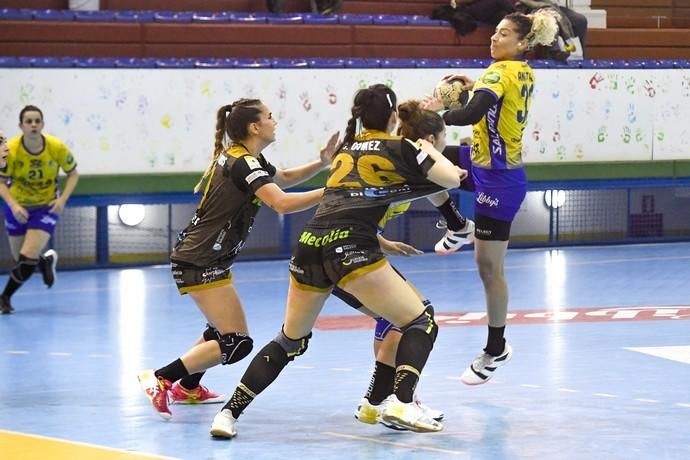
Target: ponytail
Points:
x,y
544,27
219,146
351,129
538,28
231,121
372,107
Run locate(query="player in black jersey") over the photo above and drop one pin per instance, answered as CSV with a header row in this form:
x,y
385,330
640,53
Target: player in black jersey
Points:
x,y
238,181
371,170
415,123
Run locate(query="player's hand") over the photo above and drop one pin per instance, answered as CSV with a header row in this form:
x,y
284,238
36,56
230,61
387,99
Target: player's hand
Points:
x,y
328,151
56,206
397,248
431,103
20,213
424,145
453,4
462,173
467,82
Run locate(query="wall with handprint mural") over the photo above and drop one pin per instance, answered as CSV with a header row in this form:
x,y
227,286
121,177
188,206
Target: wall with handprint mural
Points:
x,y
128,121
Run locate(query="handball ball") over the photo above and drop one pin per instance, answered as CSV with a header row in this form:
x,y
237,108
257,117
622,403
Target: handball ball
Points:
x,y
451,94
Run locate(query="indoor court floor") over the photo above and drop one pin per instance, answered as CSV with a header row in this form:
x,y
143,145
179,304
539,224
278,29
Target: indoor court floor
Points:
x,y
601,365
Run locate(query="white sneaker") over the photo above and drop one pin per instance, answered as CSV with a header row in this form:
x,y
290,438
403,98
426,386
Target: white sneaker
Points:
x,y
483,367
428,411
452,241
367,412
370,413
408,415
224,425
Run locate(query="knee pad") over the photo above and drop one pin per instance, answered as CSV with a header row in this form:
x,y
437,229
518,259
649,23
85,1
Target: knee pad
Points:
x,y
211,333
425,323
234,347
293,348
383,327
24,268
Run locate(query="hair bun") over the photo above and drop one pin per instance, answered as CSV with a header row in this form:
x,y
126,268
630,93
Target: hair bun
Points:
x,y
409,110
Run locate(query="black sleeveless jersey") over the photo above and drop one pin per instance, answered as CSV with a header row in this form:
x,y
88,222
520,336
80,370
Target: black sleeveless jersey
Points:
x,y
226,212
371,173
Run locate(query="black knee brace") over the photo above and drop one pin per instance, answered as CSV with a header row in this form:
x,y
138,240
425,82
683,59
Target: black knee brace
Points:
x,y
293,348
234,347
211,333
425,323
24,269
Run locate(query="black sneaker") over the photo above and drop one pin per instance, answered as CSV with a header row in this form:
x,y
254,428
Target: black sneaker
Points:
x,y
47,265
5,305
274,6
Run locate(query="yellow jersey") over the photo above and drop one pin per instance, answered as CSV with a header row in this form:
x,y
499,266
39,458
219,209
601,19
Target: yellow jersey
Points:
x,y
497,138
33,177
393,211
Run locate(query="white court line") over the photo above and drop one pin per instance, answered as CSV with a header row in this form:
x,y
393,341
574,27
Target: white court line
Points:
x,y
529,385
59,353
99,356
568,390
394,444
605,395
302,367
682,405
341,369
17,352
645,400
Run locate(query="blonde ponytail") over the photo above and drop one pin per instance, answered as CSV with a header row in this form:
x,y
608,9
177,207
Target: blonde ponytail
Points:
x,y
218,147
544,27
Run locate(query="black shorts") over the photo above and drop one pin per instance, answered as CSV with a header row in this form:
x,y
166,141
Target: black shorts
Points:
x,y
190,278
333,255
490,229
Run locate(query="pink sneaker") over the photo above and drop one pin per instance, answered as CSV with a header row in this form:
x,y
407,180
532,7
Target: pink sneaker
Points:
x,y
157,390
198,395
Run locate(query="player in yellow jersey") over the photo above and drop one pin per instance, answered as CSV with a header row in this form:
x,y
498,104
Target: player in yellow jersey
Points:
x,y
498,114
238,180
33,202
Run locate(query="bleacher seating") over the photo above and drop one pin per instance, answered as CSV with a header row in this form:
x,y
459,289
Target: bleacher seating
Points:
x,y
363,29
636,8
399,7
652,14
